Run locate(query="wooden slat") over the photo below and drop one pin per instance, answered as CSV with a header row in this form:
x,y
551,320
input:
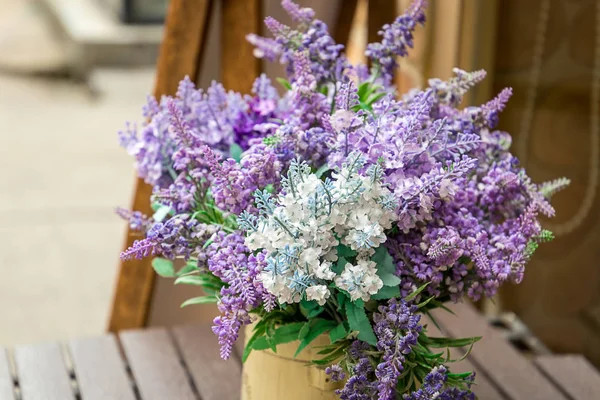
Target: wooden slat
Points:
x,y
484,389
200,350
156,366
6,380
180,55
573,373
99,369
443,27
380,12
181,51
42,372
496,357
343,24
477,45
239,67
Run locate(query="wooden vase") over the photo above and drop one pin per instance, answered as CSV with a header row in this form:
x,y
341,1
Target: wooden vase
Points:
x,y
275,376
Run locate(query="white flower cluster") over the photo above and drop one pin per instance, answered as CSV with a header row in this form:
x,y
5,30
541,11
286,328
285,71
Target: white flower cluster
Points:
x,y
302,228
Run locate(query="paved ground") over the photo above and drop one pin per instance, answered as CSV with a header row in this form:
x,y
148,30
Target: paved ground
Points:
x,y
62,173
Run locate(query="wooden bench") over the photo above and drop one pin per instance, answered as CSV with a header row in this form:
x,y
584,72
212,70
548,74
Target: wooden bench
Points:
x,y
183,363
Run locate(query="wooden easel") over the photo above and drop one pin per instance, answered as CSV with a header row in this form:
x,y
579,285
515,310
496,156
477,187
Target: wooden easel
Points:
x,y
181,54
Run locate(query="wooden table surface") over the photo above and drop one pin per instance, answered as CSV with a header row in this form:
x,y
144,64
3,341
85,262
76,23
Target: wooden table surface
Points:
x,y
183,363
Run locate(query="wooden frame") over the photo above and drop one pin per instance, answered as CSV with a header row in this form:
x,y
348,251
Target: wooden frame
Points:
x,y
181,54
450,33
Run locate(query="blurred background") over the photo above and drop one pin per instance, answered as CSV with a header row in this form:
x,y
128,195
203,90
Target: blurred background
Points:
x,y
73,71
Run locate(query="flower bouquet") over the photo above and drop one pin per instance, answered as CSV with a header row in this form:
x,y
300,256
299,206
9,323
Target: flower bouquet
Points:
x,y
337,210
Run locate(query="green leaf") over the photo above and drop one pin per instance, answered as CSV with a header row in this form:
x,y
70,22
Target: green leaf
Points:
x,y
304,331
310,309
315,312
460,375
288,333
385,262
424,303
163,267
386,268
190,280
261,343
345,251
318,327
342,298
284,82
186,269
197,280
416,292
372,99
464,356
339,332
357,318
386,292
449,342
329,348
362,89
259,331
199,300
161,213
389,279
309,304
270,335
322,169
284,334
340,265
235,152
331,358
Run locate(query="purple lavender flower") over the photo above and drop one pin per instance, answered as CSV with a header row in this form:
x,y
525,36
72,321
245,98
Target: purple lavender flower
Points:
x,y
313,145
261,166
152,150
180,195
250,122
360,384
180,124
229,260
336,373
397,329
451,92
266,48
467,214
489,228
232,189
136,220
180,236
297,13
397,38
308,105
325,56
434,388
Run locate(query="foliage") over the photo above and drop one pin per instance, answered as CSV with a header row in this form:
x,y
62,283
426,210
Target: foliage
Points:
x,y
337,209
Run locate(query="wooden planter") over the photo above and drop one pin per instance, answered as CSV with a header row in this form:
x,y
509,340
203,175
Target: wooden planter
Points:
x,y
275,376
